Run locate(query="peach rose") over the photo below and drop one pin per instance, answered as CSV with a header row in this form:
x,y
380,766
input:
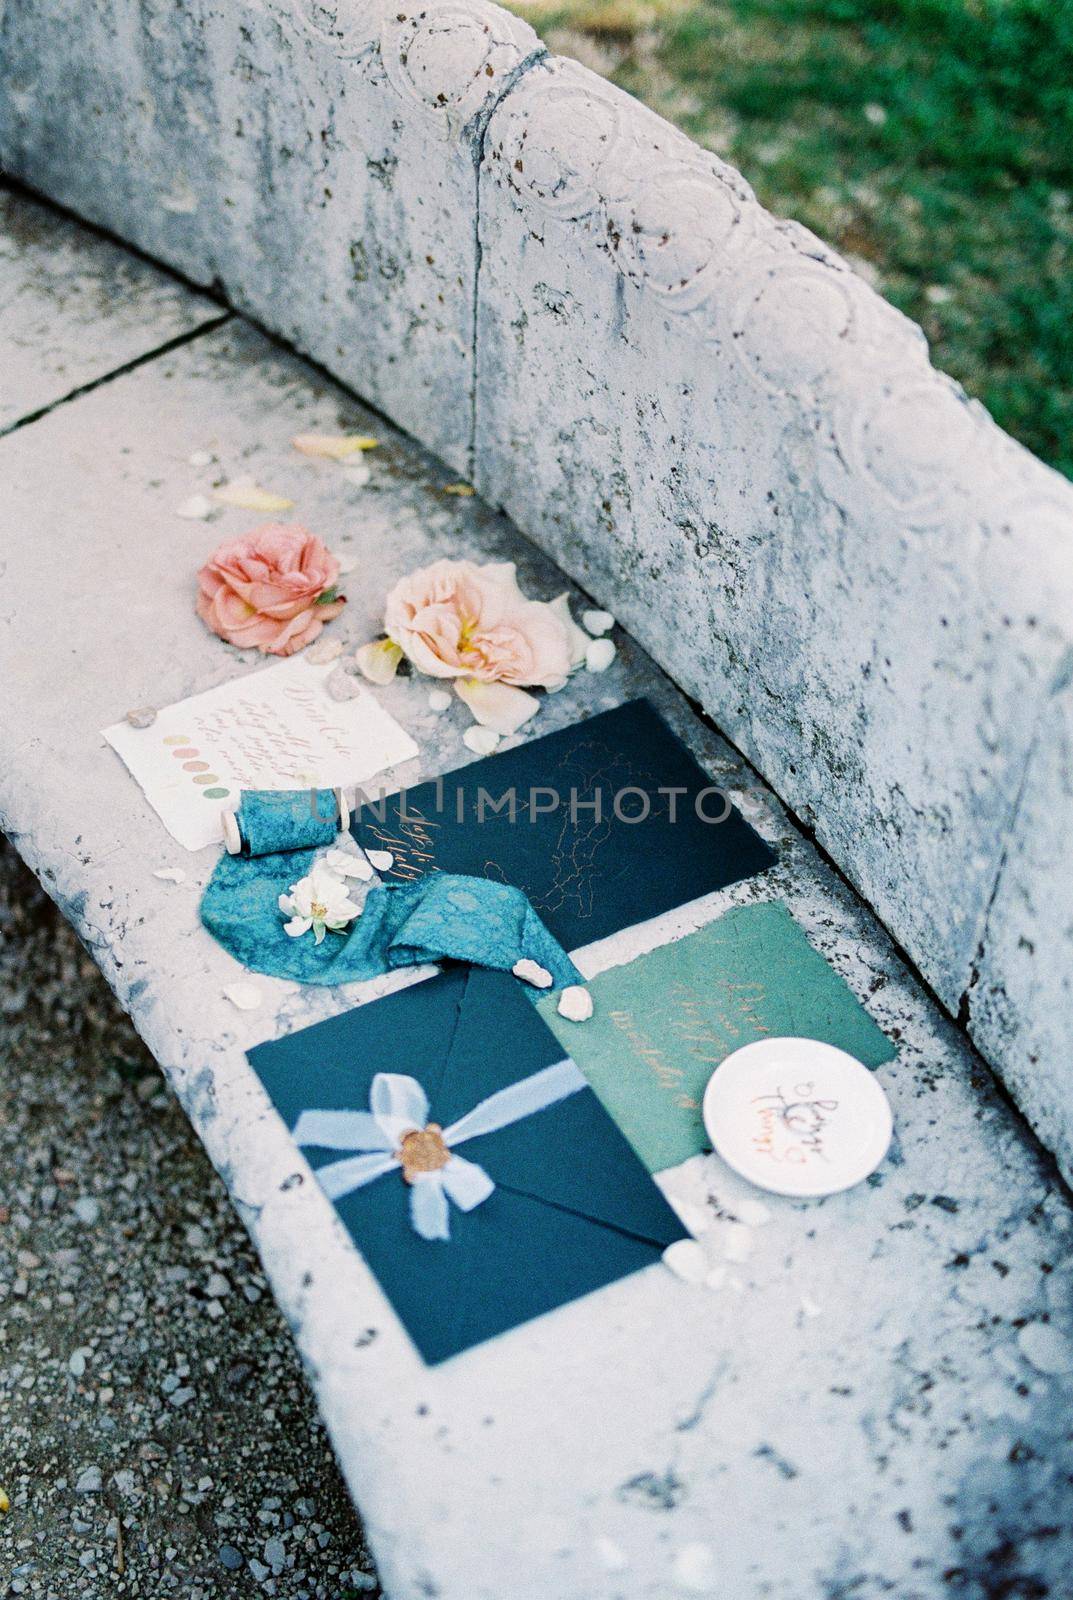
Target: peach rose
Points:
x,y
272,589
455,619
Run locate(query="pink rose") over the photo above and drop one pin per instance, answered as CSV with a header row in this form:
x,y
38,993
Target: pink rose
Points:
x,y
265,589
455,619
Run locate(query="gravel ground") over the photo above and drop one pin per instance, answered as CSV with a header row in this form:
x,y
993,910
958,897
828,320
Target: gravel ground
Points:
x,y
156,1432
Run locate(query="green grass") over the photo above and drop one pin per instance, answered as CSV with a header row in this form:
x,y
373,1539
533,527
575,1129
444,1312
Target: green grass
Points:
x,y
929,140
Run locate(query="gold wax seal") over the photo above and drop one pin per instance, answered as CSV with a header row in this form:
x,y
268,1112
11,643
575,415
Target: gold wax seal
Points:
x,y
422,1150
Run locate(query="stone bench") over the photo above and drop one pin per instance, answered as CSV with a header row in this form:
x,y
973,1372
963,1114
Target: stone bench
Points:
x,y
725,437
877,1400
696,408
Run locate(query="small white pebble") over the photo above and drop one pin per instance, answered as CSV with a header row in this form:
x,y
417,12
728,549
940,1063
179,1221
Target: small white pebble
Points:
x,y
694,1569
599,655
325,650
170,874
201,458
342,684
809,1306
246,996
575,1003
754,1213
686,1260
196,508
358,474
438,700
610,1555
482,741
141,717
598,622
382,860
875,114
532,972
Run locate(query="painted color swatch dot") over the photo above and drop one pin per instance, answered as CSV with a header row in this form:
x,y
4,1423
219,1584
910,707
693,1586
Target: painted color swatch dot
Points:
x,y
195,766
215,794
207,777
182,755
177,738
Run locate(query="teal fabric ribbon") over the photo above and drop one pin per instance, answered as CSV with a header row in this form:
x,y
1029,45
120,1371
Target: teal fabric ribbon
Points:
x,y
271,820
439,917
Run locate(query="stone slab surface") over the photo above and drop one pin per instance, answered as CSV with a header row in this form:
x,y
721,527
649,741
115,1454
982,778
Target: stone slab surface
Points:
x,y
877,1402
74,308
313,158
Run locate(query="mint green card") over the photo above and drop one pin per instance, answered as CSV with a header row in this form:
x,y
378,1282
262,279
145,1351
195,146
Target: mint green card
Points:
x,y
663,1023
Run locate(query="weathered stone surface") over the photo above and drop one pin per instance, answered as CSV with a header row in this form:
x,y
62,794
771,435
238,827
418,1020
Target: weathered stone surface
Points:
x,y
74,308
857,1410
710,421
1020,1006
316,160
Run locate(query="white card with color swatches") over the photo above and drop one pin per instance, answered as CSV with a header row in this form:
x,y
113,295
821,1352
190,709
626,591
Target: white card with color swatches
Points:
x,y
274,729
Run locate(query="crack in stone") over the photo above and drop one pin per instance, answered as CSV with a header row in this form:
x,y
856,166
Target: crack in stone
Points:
x,y
180,339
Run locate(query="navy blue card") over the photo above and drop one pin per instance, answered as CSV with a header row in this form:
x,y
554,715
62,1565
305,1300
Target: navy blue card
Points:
x,y
603,825
569,1208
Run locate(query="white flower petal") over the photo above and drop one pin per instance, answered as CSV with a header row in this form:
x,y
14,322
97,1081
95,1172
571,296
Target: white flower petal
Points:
x,y
497,705
482,741
297,926
195,508
351,866
246,996
249,496
382,860
378,660
333,446
170,874
577,639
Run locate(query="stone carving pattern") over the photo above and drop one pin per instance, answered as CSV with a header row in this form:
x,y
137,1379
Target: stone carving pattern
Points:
x,y
449,59
686,229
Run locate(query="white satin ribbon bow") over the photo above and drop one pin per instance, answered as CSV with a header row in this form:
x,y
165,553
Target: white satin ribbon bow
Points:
x,y
399,1106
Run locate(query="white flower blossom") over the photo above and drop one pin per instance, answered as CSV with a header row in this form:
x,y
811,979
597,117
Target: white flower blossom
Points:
x,y
319,901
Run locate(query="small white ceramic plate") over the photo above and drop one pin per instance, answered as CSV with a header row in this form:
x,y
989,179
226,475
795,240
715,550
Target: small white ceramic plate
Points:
x,y
797,1117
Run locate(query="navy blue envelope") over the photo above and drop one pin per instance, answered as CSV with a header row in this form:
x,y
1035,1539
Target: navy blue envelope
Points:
x,y
587,871
572,1209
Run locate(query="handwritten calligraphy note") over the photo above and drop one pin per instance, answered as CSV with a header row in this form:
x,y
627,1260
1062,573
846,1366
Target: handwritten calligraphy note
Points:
x,y
273,729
